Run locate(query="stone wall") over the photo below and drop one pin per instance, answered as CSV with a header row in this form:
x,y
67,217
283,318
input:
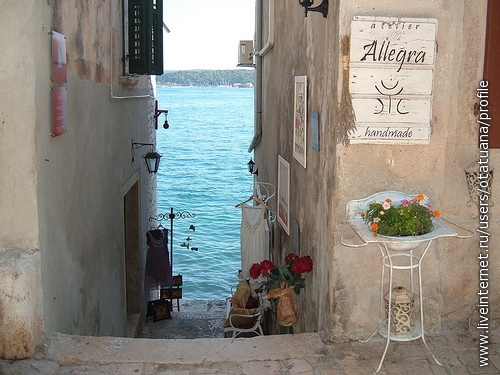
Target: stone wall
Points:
x,y
342,293
21,304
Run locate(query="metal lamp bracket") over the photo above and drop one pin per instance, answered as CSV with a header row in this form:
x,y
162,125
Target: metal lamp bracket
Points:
x,y
322,8
158,112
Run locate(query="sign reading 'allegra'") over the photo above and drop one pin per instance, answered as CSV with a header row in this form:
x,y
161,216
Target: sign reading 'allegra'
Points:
x,y
391,79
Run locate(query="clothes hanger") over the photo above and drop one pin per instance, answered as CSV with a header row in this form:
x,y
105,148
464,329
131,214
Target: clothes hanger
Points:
x,y
269,190
159,227
248,200
255,199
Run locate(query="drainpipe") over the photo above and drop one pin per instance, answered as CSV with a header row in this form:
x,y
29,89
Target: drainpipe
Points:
x,y
258,66
270,31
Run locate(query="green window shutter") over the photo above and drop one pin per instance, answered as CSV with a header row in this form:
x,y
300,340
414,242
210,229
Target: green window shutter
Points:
x,y
145,19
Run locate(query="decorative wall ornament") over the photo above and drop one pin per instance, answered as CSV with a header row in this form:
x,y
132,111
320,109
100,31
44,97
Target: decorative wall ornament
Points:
x,y
479,184
346,118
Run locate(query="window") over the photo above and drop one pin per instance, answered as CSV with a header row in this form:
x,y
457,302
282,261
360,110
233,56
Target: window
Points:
x,y
145,36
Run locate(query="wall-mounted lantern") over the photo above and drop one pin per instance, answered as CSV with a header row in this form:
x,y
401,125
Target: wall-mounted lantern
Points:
x,y
252,167
152,158
322,8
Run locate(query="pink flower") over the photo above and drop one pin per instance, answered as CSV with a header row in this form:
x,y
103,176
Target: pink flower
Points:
x,y
386,205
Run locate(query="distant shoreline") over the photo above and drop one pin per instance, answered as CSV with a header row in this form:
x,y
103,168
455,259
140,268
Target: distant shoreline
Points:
x,y
207,78
193,86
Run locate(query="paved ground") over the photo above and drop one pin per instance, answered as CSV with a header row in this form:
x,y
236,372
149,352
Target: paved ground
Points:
x,y
300,354
195,320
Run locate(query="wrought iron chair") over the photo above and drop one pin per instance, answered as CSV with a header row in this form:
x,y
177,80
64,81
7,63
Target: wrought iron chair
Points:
x,y
240,320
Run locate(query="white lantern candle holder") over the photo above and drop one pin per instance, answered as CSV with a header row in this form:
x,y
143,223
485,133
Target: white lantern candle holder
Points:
x,y
402,310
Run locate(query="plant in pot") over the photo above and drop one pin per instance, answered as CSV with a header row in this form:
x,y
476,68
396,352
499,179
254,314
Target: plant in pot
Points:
x,y
409,217
281,282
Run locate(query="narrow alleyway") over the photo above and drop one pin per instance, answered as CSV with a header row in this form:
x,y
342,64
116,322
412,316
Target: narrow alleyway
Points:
x,y
197,319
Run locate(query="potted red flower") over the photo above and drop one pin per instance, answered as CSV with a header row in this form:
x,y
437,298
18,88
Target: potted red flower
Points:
x,y
281,282
286,276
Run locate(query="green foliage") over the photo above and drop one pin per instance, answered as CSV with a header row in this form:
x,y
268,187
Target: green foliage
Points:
x,y
409,218
204,78
279,275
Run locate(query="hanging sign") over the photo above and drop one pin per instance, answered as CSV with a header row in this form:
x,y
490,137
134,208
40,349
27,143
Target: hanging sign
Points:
x,y
391,79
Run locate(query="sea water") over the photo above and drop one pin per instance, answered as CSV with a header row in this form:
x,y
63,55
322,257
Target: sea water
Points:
x,y
204,172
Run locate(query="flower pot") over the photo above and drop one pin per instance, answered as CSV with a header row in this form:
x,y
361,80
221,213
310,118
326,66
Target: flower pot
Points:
x,y
403,243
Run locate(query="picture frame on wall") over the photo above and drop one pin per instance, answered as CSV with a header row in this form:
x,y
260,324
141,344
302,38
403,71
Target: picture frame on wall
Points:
x,y
284,194
300,120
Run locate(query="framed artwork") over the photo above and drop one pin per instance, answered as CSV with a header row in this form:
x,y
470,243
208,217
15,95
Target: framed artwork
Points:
x,y
284,194
300,120
315,130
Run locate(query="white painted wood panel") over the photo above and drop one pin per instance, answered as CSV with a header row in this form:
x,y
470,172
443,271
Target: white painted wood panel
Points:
x,y
391,79
405,134
392,110
400,42
364,81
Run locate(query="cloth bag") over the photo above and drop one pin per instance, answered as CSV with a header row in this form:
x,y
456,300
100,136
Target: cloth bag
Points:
x,y
288,312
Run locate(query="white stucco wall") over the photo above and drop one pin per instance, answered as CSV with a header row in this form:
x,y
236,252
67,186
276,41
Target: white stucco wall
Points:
x,y
63,197
342,293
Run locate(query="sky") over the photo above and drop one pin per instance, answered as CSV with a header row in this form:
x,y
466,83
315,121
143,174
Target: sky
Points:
x,y
205,34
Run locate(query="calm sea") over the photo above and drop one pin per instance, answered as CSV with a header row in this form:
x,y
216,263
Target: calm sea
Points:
x,y
204,171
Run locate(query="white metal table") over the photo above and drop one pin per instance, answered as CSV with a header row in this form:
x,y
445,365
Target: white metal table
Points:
x,y
397,254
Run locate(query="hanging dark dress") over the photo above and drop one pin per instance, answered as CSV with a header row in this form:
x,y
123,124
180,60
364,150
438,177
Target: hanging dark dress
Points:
x,y
158,273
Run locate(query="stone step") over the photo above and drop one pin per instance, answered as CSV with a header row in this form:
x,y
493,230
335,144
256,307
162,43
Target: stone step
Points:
x,y
118,350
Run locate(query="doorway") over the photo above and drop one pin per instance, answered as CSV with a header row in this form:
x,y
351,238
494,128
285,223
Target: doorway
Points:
x,y
132,250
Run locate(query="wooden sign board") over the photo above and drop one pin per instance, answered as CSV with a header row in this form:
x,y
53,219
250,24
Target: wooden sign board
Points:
x,y
391,73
